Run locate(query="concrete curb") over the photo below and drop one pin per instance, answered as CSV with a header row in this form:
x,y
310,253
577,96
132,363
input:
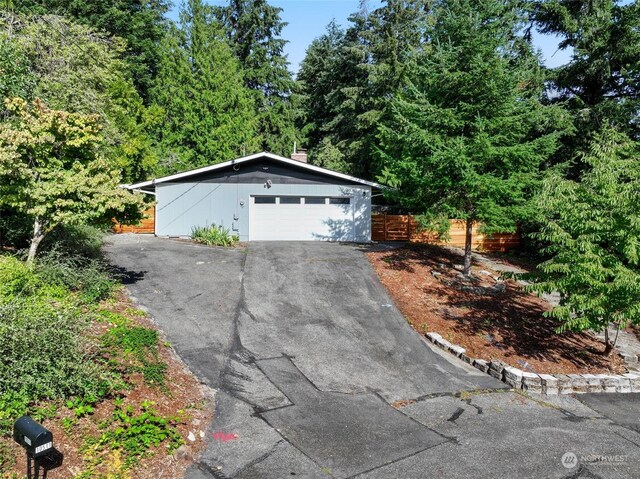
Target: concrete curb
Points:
x,y
544,383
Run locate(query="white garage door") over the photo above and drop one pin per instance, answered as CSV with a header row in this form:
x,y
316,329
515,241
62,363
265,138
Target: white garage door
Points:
x,y
301,218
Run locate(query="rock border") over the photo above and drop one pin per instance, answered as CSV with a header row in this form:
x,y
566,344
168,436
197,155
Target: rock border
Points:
x,y
549,384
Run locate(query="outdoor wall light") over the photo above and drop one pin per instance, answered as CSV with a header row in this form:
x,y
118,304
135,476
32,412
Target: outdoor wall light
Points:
x,y
37,441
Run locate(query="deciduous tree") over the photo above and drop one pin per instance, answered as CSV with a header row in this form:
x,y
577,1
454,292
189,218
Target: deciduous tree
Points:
x,y
141,23
51,170
592,227
76,69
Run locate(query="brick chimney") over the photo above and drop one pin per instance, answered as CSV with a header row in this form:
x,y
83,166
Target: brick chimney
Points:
x,y
299,155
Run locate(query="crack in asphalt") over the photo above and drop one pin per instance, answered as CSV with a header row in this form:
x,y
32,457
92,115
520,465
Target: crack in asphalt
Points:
x,y
476,407
260,459
207,469
236,350
454,417
583,473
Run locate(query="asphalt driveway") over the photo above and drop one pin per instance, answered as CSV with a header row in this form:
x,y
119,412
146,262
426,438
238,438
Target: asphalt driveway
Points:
x,y
307,354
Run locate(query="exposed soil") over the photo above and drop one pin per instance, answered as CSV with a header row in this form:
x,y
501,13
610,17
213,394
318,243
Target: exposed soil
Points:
x,y
184,398
490,318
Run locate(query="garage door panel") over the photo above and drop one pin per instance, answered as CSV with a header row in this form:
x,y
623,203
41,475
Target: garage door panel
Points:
x,y
288,221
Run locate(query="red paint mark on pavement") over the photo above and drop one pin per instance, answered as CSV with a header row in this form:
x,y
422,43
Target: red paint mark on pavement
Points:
x,y
224,436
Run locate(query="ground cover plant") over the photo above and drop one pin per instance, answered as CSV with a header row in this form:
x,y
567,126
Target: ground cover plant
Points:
x,y
80,358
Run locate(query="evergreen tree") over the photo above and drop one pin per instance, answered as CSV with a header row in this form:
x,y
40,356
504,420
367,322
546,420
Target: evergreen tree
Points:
x,y
253,28
140,23
467,132
348,76
322,76
601,83
208,112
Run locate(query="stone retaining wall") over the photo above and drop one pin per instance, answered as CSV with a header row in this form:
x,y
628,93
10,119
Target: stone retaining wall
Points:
x,y
544,383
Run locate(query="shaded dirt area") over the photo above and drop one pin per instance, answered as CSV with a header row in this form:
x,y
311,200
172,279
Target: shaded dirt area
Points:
x,y
490,318
183,401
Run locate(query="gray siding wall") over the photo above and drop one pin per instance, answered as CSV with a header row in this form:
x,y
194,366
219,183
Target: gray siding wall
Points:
x,y
181,206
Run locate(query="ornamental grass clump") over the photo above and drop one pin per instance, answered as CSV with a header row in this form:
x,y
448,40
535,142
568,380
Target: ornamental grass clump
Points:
x,y
213,236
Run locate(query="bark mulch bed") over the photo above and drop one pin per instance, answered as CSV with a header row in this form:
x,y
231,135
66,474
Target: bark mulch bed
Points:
x,y
489,320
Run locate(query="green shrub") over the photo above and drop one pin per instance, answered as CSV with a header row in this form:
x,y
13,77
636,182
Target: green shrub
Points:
x,y
16,278
13,404
54,276
213,236
154,372
74,240
89,277
45,353
132,339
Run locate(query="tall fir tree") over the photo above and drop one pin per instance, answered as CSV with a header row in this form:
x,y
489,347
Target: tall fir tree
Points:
x,y
467,132
208,112
348,76
253,29
591,228
600,84
325,75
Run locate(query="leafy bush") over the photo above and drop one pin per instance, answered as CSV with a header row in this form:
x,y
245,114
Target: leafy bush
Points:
x,y
45,353
213,236
87,276
44,349
13,404
132,339
75,240
54,276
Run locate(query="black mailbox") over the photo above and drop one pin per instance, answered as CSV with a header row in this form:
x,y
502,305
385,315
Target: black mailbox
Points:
x,y
36,440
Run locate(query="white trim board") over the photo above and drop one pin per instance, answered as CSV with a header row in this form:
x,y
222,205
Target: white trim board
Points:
x,y
237,161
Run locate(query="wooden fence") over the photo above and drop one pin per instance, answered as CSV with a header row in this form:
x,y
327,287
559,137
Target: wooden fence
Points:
x,y
405,228
146,226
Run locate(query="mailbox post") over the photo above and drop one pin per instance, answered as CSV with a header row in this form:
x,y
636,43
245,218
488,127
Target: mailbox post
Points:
x,y
37,442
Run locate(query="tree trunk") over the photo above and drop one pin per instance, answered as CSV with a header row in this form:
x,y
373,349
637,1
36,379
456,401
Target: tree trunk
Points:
x,y
36,239
467,248
609,345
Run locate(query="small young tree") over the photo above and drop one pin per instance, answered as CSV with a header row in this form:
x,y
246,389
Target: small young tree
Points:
x,y
50,169
593,230
466,134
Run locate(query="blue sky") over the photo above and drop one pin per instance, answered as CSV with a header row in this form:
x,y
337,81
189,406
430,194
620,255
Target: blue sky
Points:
x,y
307,19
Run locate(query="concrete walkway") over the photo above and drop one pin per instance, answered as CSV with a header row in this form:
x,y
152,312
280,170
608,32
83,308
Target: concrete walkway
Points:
x,y
308,354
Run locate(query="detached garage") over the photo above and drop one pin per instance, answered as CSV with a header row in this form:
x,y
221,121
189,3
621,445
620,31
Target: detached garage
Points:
x,y
264,197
